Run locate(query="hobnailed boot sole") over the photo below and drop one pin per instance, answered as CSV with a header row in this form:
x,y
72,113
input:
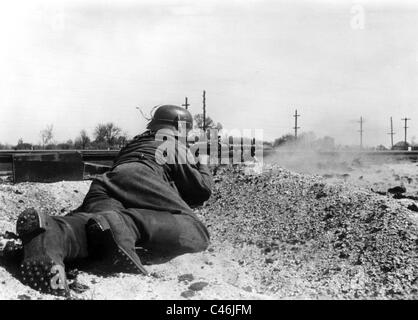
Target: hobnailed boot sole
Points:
x,y
102,244
41,272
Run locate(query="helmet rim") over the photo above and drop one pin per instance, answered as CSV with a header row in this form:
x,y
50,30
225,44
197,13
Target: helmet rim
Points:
x,y
169,116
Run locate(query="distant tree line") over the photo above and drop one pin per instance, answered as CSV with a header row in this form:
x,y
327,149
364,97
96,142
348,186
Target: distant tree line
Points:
x,y
109,136
105,136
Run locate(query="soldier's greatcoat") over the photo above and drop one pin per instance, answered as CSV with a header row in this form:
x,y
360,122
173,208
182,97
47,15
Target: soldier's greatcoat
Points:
x,y
156,188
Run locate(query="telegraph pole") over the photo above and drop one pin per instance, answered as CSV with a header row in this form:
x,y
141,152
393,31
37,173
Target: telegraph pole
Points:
x,y
204,110
361,132
391,132
406,127
296,115
186,104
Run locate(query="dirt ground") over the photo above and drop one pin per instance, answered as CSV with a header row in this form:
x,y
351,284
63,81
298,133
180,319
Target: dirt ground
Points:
x,y
275,235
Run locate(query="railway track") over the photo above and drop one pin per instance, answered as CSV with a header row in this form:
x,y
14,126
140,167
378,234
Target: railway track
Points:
x,y
6,156
91,158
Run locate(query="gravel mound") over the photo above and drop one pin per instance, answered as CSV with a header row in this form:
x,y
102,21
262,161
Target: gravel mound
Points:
x,y
315,240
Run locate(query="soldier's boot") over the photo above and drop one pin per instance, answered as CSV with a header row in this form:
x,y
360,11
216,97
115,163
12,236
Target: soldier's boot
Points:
x,y
47,242
112,239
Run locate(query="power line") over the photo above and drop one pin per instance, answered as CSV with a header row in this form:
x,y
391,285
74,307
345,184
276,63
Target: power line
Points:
x,y
296,115
186,104
391,132
406,127
361,132
204,111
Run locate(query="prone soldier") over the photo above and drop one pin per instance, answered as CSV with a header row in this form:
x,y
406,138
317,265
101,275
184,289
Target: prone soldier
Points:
x,y
141,202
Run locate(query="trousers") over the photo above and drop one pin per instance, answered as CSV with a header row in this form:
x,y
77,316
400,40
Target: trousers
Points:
x,y
159,232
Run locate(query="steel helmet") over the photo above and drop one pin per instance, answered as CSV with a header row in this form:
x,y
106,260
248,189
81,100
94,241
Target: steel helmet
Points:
x,y
168,116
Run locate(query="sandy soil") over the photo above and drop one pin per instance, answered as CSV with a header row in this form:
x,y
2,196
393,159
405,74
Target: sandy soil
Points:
x,y
214,274
278,235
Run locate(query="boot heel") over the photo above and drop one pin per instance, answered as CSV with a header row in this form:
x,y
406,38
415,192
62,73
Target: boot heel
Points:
x,y
30,222
103,245
44,249
99,223
95,231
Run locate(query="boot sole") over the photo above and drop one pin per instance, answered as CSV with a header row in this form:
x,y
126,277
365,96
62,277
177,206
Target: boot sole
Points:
x,y
30,223
102,244
44,275
40,273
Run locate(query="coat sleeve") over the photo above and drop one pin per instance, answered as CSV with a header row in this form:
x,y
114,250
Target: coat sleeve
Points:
x,y
194,183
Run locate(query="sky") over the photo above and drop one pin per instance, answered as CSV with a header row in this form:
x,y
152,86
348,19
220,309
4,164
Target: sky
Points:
x,y
74,64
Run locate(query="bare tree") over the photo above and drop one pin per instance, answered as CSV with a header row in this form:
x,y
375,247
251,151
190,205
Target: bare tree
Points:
x,y
122,140
82,141
23,145
108,133
209,123
47,135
